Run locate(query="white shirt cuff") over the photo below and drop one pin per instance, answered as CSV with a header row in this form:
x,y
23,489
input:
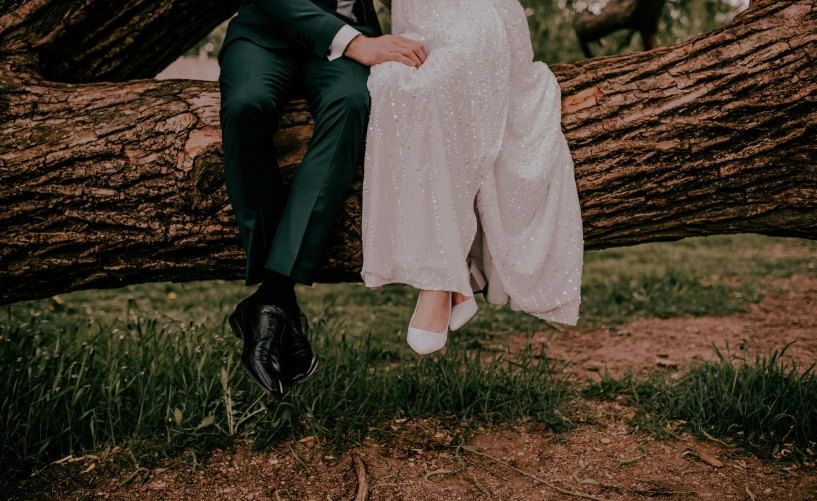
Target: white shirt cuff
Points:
x,y
341,41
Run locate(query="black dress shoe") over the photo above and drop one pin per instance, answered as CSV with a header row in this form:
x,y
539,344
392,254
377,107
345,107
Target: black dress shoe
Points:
x,y
299,360
262,328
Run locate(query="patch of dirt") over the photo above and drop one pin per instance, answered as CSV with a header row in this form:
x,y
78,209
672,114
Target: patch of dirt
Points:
x,y
601,458
788,313
792,248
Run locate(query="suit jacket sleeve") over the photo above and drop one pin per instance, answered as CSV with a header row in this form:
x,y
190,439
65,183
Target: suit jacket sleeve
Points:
x,y
310,25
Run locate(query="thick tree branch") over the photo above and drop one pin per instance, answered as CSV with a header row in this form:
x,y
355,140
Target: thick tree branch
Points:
x,y
108,184
103,40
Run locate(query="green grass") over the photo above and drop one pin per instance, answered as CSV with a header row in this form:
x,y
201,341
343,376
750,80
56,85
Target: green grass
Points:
x,y
719,275
180,388
762,404
152,362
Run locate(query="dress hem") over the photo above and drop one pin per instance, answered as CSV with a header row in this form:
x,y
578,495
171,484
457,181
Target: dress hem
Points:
x,y
375,281
566,313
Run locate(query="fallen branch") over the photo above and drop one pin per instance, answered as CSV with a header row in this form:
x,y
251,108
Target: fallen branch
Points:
x,y
362,481
534,477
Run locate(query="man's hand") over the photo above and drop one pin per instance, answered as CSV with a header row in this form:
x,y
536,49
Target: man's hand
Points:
x,y
372,51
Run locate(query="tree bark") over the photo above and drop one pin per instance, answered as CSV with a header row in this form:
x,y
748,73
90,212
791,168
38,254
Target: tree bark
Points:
x,y
81,41
112,183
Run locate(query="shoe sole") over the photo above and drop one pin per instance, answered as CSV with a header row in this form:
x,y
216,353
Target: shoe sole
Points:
x,y
239,333
235,327
312,368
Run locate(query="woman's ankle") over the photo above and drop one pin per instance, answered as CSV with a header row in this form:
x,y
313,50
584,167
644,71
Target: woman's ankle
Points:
x,y
431,310
458,298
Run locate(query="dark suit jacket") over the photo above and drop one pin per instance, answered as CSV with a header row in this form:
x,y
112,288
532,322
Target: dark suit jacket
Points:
x,y
297,23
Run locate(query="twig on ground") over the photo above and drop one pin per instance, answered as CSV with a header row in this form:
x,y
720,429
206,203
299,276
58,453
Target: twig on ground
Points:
x,y
131,477
481,487
145,477
713,439
300,461
629,461
479,464
657,492
534,477
437,472
575,474
362,481
751,494
388,465
385,482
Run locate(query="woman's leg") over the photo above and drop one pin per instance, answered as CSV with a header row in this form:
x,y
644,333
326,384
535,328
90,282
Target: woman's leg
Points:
x,y
433,308
432,311
456,297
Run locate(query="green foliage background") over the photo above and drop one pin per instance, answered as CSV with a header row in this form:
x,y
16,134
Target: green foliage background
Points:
x,y
551,25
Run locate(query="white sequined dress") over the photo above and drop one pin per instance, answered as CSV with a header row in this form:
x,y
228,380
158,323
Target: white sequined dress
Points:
x,y
465,156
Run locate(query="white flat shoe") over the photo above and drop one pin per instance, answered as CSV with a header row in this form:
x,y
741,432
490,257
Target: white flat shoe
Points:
x,y
463,312
425,342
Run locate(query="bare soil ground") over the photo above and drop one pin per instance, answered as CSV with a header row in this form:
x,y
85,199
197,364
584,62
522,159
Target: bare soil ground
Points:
x,y
788,313
601,459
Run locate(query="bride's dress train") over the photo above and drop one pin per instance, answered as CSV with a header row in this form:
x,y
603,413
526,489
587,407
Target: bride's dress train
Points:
x,y
465,156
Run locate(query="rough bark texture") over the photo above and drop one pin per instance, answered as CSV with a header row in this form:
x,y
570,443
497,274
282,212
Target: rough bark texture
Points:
x,y
107,184
103,40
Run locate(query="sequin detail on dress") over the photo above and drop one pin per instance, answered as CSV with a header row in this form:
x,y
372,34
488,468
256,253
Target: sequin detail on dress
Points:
x,y
465,156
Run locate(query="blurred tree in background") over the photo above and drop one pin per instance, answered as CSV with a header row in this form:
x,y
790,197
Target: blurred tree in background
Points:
x,y
211,44
554,39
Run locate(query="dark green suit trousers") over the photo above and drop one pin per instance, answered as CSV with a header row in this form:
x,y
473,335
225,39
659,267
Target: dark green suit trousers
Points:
x,y
284,232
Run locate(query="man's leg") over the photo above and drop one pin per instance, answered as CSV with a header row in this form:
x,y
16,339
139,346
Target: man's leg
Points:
x,y
254,83
340,103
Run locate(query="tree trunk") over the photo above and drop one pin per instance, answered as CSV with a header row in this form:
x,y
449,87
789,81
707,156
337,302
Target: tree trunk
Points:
x,y
636,15
112,183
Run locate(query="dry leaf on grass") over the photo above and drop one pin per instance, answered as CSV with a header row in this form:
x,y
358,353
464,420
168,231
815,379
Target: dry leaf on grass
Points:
x,y
706,458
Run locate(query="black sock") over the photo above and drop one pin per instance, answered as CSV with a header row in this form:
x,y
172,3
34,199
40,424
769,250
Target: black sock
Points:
x,y
276,288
